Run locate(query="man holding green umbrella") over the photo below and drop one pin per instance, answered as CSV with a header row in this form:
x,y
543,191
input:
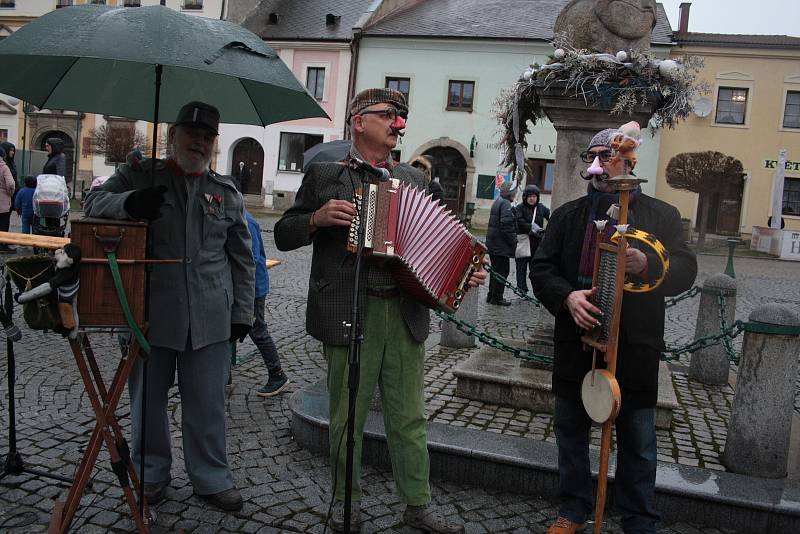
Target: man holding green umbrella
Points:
x,y
197,307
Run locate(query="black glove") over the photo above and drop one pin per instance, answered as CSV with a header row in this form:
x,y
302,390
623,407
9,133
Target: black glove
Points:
x,y
239,331
146,203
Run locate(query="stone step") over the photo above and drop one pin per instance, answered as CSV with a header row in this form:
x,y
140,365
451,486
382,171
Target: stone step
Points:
x,y
494,376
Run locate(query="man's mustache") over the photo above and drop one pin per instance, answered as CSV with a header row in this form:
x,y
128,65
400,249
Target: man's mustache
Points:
x,y
398,133
602,177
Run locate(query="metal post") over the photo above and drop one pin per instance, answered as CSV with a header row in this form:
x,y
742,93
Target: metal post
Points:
x,y
77,155
732,242
24,137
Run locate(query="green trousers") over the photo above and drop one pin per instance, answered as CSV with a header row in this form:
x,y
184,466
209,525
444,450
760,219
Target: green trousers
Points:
x,y
391,358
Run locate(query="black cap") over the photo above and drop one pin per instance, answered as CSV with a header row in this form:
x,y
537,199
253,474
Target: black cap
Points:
x,y
199,114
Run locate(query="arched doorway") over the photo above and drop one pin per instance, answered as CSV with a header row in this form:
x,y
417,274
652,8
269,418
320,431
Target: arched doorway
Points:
x,y
69,151
249,152
450,167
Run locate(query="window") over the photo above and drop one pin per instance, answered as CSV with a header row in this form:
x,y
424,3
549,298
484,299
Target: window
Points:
x,y
731,105
63,3
485,186
3,135
118,139
459,95
132,3
7,3
542,174
791,113
98,2
315,82
791,196
402,85
192,4
293,145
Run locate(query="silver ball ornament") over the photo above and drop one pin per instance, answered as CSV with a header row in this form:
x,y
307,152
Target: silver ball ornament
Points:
x,y
559,54
667,68
527,74
622,56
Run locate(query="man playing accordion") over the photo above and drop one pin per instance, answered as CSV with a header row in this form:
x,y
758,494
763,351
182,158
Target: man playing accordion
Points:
x,y
395,325
562,280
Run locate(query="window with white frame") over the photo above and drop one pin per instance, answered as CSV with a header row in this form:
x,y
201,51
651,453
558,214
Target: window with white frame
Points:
x,y
791,196
132,3
731,105
193,4
401,85
7,3
63,3
791,111
290,154
315,82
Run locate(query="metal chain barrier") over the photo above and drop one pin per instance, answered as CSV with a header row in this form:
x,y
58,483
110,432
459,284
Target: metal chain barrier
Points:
x,y
694,291
483,337
726,341
517,291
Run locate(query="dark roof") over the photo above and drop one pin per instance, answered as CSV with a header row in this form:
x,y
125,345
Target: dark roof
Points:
x,y
305,19
487,19
737,40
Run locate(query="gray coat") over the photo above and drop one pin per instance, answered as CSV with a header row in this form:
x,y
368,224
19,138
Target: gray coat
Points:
x,y
330,285
215,284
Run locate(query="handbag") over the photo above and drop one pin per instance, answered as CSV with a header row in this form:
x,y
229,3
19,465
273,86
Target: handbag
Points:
x,y
28,272
523,246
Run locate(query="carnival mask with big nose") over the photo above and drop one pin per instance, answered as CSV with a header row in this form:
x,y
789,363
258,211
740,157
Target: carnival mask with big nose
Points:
x,y
398,126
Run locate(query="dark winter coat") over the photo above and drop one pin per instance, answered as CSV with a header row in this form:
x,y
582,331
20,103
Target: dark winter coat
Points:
x,y
501,235
554,276
524,216
56,162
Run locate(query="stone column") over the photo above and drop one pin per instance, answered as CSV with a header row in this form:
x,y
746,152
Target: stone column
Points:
x,y
763,404
468,312
576,122
710,365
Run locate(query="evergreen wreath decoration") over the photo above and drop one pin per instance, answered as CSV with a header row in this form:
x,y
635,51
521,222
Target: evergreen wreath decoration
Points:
x,y
620,81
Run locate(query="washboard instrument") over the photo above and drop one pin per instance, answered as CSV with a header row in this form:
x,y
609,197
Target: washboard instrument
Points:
x,y
600,391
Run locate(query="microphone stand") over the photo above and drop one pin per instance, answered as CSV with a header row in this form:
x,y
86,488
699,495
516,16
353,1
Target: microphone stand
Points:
x,y
14,464
354,354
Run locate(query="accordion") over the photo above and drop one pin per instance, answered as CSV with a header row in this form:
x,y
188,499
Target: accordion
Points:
x,y
432,255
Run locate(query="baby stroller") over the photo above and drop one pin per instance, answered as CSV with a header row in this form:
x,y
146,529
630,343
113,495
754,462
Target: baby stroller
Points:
x,y
50,206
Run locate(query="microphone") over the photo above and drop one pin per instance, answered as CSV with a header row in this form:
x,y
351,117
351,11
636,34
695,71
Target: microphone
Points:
x,y
378,172
12,330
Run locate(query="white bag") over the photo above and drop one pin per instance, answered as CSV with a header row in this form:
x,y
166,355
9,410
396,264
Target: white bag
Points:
x,y
523,246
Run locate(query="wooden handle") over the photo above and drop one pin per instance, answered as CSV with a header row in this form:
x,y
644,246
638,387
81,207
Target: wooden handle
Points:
x,y
30,240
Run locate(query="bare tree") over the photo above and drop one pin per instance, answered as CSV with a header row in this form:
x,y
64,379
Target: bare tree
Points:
x,y
703,173
116,141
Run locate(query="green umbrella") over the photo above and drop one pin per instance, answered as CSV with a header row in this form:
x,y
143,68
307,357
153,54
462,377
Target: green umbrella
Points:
x,y
145,63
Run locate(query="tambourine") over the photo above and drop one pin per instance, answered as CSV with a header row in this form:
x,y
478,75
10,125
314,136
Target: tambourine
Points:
x,y
661,251
601,395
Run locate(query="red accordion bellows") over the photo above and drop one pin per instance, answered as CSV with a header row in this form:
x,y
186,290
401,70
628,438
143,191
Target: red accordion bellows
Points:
x,y
434,253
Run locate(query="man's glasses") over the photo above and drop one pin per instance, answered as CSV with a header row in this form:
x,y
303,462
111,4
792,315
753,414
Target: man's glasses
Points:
x,y
604,156
389,113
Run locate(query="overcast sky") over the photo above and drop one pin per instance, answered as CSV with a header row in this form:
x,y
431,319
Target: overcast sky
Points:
x,y
771,17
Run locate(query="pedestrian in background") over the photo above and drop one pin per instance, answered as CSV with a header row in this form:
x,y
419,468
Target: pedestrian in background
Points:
x,y
501,241
23,203
7,188
11,151
276,378
530,215
56,160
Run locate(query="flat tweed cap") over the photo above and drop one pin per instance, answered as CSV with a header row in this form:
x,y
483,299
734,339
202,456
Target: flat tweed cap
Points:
x,y
603,138
199,114
377,95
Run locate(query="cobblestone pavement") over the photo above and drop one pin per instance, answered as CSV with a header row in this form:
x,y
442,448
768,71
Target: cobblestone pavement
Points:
x,y
286,487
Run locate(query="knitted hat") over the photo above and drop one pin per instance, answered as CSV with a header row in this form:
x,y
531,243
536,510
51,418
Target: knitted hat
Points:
x,y
377,95
508,189
603,138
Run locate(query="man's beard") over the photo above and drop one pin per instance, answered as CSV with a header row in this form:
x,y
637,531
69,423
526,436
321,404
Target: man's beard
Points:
x,y
188,162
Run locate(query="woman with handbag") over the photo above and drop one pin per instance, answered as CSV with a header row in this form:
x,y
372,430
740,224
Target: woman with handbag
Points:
x,y
530,216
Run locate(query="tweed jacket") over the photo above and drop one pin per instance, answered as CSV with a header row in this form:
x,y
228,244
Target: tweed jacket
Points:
x,y
330,284
202,221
